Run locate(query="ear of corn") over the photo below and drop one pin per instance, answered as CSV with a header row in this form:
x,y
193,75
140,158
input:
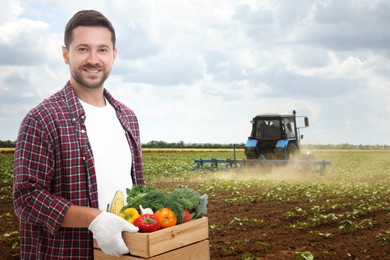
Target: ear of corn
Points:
x,y
117,203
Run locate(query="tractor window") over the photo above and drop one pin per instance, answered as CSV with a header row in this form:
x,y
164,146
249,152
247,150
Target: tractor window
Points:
x,y
288,127
268,129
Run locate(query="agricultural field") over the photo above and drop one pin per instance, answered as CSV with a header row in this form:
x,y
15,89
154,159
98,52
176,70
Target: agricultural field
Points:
x,y
273,213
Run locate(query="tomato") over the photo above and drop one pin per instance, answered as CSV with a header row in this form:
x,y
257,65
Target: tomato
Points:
x,y
166,217
187,216
147,223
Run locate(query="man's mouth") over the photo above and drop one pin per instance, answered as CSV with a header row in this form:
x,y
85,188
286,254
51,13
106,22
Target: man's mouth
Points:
x,y
92,70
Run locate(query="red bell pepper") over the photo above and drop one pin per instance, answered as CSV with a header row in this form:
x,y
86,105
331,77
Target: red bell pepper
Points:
x,y
187,216
147,223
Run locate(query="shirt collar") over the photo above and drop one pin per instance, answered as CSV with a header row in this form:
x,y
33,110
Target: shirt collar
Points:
x,y
75,107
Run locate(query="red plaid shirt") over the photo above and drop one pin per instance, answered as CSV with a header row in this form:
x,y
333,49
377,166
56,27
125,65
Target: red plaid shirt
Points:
x,y
54,169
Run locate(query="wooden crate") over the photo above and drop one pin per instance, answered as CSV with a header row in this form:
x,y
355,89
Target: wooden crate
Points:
x,y
184,241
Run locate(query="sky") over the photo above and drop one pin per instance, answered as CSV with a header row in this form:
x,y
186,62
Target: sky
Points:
x,y
198,71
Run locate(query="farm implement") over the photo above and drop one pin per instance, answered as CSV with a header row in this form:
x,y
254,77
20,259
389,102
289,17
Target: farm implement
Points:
x,y
274,141
226,164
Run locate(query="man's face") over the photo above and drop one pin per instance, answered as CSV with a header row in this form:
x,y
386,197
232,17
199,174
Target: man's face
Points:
x,y
90,56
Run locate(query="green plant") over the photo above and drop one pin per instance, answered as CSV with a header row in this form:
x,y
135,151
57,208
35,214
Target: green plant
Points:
x,y
13,238
264,247
249,256
316,235
348,225
215,226
295,213
384,237
367,223
304,256
236,222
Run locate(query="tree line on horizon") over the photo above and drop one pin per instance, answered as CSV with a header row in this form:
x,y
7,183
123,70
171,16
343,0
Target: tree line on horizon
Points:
x,y
181,144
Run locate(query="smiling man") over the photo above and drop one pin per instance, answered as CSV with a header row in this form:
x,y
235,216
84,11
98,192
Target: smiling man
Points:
x,y
74,151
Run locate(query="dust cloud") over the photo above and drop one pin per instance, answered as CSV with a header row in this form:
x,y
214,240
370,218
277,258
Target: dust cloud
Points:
x,y
286,173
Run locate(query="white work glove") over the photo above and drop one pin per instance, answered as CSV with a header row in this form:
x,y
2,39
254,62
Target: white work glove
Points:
x,y
107,230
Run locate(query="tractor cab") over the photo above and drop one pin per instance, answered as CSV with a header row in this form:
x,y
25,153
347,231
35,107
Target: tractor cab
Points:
x,y
273,136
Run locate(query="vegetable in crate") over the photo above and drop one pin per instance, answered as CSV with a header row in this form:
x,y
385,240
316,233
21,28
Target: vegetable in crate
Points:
x,y
154,199
192,201
201,209
187,216
147,223
145,211
178,201
187,197
130,215
117,203
166,217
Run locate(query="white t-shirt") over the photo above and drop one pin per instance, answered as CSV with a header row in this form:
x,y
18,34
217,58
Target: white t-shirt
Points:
x,y
111,151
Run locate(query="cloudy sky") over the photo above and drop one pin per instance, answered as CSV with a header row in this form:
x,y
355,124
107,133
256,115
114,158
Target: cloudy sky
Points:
x,y
198,70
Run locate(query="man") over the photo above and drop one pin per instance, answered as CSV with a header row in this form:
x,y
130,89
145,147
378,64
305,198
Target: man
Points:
x,y
74,151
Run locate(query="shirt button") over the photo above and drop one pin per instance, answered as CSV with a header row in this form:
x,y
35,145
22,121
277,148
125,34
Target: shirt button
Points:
x,y
73,119
82,131
84,158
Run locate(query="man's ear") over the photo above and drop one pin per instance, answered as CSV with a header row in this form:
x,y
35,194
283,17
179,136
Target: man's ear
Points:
x,y
65,54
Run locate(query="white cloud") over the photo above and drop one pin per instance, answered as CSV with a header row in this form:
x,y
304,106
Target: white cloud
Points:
x,y
198,71
10,11
17,39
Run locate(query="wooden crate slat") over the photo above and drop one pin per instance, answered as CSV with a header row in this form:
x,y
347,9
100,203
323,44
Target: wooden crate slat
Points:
x,y
196,251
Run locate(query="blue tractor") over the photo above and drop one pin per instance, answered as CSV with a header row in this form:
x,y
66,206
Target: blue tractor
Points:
x,y
274,140
274,137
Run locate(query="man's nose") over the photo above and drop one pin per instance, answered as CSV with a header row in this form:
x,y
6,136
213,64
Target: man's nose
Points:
x,y
93,57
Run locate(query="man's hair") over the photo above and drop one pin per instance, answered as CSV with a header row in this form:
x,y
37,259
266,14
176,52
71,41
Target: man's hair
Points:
x,y
87,18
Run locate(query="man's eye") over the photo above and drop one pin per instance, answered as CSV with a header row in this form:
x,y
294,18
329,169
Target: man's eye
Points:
x,y
103,50
83,49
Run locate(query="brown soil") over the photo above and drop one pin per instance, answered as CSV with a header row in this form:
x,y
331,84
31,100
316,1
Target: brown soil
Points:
x,y
262,231
275,239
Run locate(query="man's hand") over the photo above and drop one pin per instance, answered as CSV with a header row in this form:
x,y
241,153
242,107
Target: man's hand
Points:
x,y
107,230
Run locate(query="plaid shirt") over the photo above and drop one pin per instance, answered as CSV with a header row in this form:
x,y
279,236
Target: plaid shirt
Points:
x,y
54,168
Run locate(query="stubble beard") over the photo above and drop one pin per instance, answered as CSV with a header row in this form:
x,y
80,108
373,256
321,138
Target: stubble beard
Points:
x,y
84,82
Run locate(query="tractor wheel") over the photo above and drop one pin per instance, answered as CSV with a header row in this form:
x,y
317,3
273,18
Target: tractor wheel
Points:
x,y
292,151
251,153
